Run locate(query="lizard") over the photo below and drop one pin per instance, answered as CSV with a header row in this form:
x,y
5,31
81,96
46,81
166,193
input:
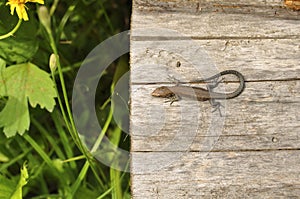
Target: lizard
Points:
x,y
174,93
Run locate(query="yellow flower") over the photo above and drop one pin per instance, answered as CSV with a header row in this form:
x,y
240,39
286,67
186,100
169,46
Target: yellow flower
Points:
x,y
20,7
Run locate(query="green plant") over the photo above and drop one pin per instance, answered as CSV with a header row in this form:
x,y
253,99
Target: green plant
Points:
x,y
39,58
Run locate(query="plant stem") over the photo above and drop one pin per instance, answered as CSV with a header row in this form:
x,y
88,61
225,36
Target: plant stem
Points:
x,y
11,33
71,127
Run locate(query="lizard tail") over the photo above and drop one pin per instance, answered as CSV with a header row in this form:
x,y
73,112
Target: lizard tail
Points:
x,y
241,87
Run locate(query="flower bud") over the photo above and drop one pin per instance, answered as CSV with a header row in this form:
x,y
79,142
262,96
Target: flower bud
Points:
x,y
45,18
52,63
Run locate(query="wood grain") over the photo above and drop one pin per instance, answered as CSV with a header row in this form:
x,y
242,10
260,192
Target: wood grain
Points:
x,y
154,61
186,151
211,25
267,174
264,117
273,8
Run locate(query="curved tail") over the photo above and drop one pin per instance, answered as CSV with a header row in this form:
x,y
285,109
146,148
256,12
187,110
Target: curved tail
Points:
x,y
233,94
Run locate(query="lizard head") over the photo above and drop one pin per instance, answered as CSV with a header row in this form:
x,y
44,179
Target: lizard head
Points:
x,y
162,91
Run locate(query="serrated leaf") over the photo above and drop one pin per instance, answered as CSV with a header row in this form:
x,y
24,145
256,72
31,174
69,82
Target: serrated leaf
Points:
x,y
24,83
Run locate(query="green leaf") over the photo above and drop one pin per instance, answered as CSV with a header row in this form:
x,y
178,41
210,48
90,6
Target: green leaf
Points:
x,y
24,83
10,189
18,50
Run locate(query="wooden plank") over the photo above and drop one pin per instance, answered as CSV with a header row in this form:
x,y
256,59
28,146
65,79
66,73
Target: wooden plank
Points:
x,y
184,150
219,25
259,59
188,5
205,25
264,117
264,174
262,142
273,8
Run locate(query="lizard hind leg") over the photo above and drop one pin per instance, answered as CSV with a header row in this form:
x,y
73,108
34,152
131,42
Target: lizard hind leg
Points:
x,y
216,106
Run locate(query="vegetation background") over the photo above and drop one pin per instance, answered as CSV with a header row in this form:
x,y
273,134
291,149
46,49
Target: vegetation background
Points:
x,y
48,161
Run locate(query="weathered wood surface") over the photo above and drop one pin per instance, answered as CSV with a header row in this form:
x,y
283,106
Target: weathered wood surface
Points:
x,y
185,150
153,61
266,174
272,8
240,6
265,117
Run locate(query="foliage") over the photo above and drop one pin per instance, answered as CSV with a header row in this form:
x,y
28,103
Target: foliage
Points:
x,y
23,83
11,189
57,163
